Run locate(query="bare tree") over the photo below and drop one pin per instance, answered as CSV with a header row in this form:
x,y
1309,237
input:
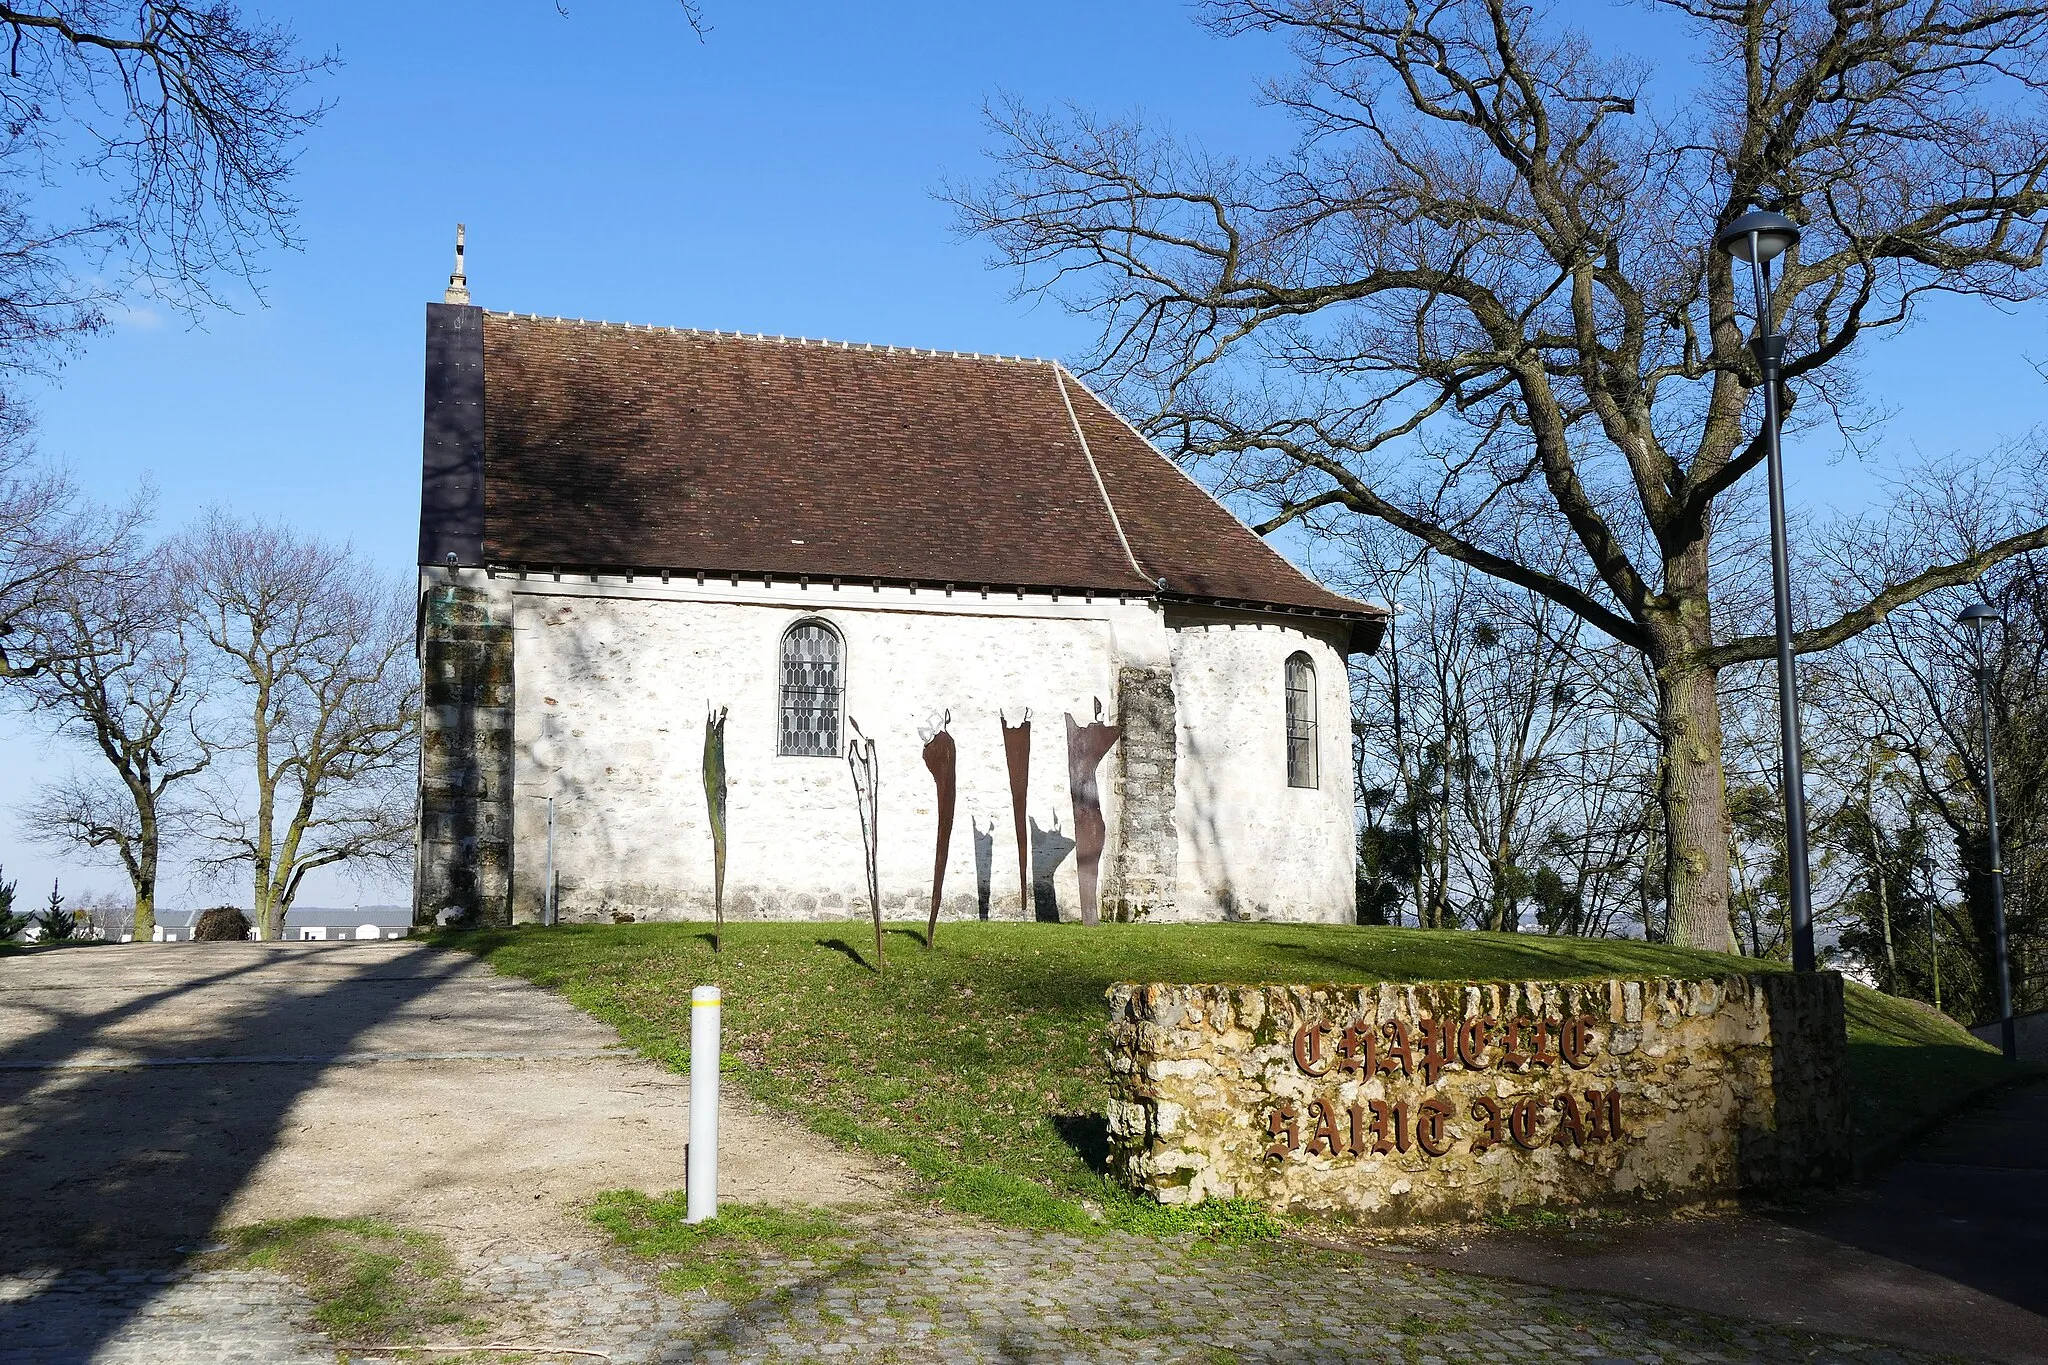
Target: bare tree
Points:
x,y
187,112
51,542
322,650
1899,741
1503,771
1478,297
118,678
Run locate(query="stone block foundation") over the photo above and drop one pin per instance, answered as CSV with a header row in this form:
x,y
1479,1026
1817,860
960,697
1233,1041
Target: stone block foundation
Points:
x,y
1388,1103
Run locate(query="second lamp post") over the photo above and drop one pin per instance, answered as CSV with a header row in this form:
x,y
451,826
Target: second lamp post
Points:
x,y
1758,239
1977,616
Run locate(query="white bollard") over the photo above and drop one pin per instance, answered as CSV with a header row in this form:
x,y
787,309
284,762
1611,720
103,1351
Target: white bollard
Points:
x,y
703,1174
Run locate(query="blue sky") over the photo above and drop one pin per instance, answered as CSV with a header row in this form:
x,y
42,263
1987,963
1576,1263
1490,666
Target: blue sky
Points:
x,y
775,177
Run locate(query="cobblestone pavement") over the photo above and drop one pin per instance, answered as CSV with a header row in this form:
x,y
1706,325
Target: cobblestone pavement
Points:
x,y
940,1291
157,1317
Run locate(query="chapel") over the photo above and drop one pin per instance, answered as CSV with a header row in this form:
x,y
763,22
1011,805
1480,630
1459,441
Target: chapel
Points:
x,y
631,534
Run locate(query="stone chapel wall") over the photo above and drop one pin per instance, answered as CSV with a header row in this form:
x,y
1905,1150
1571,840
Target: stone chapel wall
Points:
x,y
614,683
1250,846
465,820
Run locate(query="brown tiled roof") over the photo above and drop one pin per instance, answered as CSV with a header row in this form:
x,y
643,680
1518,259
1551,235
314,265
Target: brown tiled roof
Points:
x,y
609,446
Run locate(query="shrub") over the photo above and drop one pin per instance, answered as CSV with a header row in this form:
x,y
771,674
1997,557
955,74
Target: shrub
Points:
x,y
222,924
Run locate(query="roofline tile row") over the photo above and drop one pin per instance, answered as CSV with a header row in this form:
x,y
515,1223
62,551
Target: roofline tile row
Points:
x,y
823,343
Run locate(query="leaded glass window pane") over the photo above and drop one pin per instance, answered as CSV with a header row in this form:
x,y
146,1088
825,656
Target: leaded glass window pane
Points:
x,y
811,690
1301,722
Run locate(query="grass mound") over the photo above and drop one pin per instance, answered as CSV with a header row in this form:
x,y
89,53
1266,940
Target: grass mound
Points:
x,y
978,1064
1909,1064
371,1284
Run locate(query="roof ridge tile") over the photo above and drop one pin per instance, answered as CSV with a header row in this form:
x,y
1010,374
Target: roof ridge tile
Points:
x,y
714,333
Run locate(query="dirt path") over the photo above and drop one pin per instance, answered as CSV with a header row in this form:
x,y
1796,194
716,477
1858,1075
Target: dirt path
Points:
x,y
152,1093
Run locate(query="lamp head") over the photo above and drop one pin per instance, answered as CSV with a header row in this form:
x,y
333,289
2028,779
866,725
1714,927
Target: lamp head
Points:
x,y
1978,615
1761,235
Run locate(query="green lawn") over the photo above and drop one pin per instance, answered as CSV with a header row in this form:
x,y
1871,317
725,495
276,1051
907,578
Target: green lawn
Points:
x,y
978,1064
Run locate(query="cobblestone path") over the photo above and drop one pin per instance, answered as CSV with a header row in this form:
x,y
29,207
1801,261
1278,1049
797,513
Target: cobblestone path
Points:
x,y
157,1317
952,1292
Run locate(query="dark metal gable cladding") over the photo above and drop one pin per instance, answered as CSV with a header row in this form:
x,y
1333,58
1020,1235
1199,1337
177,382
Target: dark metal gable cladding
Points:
x,y
452,457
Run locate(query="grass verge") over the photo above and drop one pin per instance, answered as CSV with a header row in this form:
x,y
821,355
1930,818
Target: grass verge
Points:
x,y
977,1064
729,1256
371,1284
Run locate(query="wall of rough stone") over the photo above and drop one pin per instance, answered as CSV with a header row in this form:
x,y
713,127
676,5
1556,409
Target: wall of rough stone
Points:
x,y
1144,762
464,855
1251,847
1391,1103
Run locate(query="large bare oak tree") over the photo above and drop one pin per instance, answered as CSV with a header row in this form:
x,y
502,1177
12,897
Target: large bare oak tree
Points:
x,y
1477,302
318,651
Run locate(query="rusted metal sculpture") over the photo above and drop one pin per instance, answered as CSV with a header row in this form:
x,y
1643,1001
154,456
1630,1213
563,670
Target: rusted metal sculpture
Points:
x,y
1086,744
714,801
1017,751
942,758
860,757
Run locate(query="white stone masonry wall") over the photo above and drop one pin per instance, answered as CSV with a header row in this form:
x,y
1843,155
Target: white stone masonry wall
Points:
x,y
613,685
1252,847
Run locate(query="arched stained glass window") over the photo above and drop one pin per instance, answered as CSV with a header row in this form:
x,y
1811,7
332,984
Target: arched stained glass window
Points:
x,y
1301,721
813,683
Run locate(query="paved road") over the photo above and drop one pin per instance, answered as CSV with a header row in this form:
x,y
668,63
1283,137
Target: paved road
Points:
x,y
151,1094
1948,1251
154,1094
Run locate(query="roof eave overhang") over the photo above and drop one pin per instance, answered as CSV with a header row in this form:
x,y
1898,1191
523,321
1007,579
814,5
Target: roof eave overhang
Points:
x,y
1368,623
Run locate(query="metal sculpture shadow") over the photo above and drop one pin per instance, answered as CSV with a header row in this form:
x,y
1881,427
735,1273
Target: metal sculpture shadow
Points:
x,y
714,801
984,863
1049,848
860,759
941,757
1017,752
1086,744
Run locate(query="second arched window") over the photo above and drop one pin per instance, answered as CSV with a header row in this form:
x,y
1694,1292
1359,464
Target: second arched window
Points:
x,y
813,685
1301,721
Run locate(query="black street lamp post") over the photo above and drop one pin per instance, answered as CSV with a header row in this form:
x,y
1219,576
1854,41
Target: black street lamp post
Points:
x,y
1977,616
1760,238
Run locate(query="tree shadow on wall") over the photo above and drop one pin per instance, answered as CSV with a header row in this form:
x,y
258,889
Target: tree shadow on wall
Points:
x,y
1049,848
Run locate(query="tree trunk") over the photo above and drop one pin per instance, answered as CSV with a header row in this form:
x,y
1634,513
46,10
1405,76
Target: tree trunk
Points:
x,y
145,881
1695,797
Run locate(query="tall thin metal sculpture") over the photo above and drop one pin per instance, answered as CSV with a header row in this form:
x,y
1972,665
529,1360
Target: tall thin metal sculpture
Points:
x,y
941,757
1086,744
860,758
1017,751
714,801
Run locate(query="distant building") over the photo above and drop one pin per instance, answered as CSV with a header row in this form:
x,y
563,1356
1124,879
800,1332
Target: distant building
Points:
x,y
313,922
623,527
307,923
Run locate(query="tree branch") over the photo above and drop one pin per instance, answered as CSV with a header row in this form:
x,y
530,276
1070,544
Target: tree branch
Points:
x,y
1754,648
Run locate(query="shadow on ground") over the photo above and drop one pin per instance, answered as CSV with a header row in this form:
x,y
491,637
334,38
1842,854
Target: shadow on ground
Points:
x,y
115,1153
1944,1251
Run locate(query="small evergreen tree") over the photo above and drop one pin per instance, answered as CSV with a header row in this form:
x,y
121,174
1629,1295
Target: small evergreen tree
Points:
x,y
54,920
10,923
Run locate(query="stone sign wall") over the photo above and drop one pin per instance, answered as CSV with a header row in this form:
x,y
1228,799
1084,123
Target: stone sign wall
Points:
x,y
1457,1100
